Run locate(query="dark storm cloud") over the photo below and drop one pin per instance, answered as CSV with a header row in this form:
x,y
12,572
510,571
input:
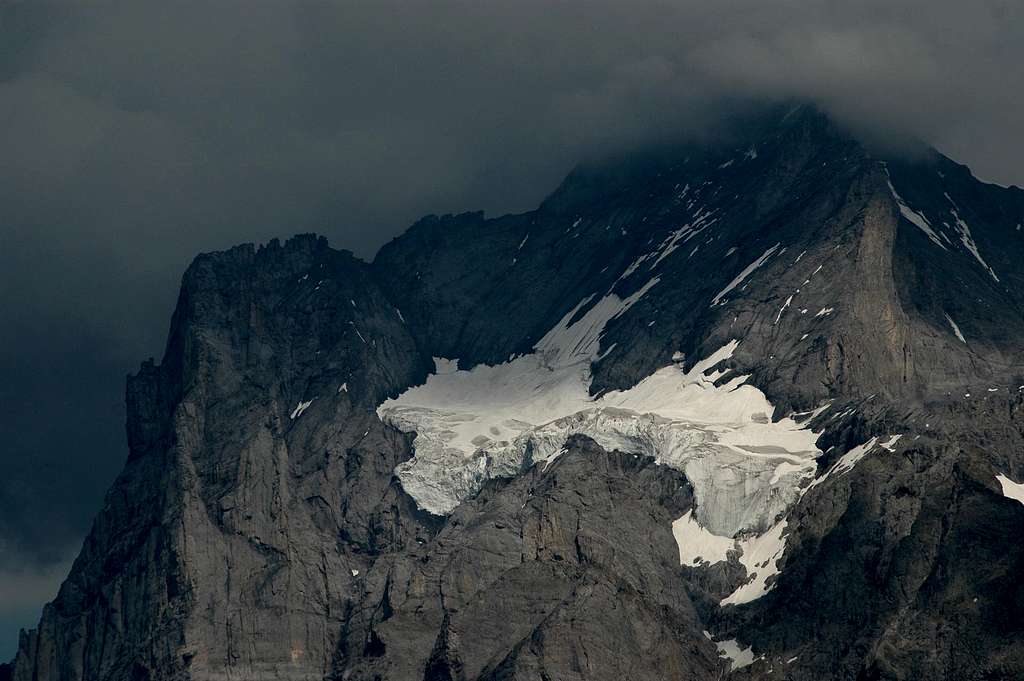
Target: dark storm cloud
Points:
x,y
134,135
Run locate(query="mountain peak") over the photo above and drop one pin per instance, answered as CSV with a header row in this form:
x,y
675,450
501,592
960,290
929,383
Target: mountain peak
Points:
x,y
784,365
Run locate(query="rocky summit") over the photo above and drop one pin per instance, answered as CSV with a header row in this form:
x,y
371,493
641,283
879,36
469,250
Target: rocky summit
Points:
x,y
744,410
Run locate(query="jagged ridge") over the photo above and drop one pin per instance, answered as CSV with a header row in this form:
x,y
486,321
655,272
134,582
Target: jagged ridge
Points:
x,y
258,531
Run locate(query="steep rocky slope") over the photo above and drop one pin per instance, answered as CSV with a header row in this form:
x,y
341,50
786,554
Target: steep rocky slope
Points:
x,y
751,409
229,540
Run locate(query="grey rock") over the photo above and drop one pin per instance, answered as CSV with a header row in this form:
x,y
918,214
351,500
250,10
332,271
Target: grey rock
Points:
x,y
258,531
536,576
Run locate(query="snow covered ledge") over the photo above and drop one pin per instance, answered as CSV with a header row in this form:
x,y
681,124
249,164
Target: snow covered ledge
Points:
x,y
1011,490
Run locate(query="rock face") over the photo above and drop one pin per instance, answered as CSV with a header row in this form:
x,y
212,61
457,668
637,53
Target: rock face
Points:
x,y
610,499
258,480
546,550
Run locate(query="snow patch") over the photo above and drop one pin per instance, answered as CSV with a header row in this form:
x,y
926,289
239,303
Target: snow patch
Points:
x,y
890,444
1011,490
956,329
912,216
635,265
445,366
301,407
760,556
701,221
747,271
697,545
731,650
784,307
847,461
968,241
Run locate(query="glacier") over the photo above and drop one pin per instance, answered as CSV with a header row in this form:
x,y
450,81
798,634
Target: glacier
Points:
x,y
493,421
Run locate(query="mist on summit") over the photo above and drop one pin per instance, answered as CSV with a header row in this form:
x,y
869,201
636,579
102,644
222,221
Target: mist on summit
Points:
x,y
141,134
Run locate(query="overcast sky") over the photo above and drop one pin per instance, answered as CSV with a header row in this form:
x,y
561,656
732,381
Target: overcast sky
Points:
x,y
134,136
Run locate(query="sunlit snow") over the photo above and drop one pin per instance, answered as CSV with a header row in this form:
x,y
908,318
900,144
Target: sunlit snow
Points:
x,y
912,216
848,460
731,650
890,444
697,545
1011,490
494,420
470,425
299,408
744,274
759,554
701,220
784,307
967,239
760,557
956,329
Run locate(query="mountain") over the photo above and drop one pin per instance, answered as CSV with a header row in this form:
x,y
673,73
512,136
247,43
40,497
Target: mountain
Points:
x,y
749,410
